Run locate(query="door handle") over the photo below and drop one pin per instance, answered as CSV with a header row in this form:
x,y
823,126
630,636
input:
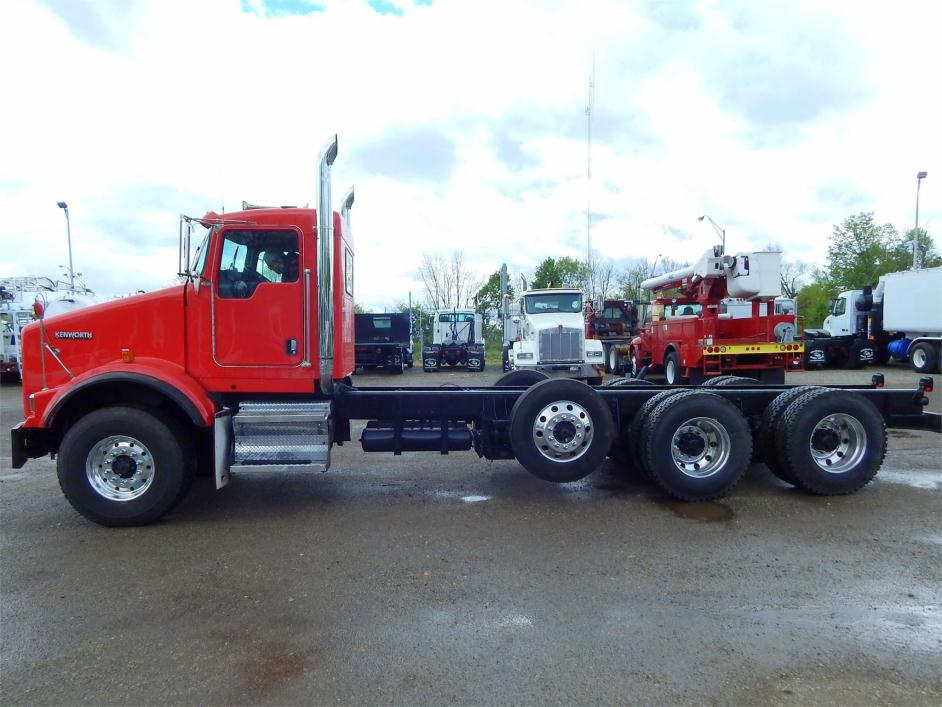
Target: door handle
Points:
x,y
291,347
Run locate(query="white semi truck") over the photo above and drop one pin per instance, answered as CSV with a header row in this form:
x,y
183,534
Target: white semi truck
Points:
x,y
457,340
551,337
900,318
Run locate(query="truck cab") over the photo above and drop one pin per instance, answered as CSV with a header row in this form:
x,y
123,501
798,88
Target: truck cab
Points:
x,y
457,340
843,316
552,337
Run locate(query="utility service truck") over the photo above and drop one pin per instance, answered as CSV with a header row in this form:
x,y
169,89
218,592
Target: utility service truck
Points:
x,y
690,338
457,340
900,318
551,337
238,371
383,341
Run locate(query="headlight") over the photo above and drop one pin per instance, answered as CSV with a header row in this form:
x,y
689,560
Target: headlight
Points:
x,y
594,354
523,356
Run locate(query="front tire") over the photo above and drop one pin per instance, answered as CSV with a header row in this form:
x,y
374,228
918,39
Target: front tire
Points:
x,y
121,466
521,376
561,430
633,364
613,361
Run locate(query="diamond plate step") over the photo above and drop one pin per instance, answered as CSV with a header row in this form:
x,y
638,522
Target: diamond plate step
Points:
x,y
281,436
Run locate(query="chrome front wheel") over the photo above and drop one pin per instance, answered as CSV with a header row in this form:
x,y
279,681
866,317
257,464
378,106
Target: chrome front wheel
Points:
x,y
119,468
562,431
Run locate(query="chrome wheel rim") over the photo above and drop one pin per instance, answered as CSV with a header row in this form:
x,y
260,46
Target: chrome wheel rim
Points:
x,y
919,358
562,431
613,360
119,468
700,447
838,443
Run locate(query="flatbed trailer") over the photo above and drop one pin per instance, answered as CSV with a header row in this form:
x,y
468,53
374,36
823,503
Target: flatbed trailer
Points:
x,y
135,396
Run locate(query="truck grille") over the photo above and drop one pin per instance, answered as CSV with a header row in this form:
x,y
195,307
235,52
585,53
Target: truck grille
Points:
x,y
561,344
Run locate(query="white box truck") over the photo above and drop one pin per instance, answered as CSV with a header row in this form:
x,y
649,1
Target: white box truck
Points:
x,y
900,318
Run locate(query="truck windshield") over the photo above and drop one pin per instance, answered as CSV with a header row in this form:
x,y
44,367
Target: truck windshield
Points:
x,y
461,317
570,302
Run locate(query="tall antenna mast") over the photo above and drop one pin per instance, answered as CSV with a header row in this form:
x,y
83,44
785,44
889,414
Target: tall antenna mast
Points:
x,y
589,106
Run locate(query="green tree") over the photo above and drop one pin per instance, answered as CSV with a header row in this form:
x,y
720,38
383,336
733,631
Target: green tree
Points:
x,y
560,272
813,300
487,299
901,255
358,309
421,321
860,251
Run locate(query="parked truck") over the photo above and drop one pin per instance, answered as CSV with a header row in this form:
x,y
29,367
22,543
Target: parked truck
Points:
x,y
691,339
16,311
551,336
383,341
457,340
235,373
614,322
900,319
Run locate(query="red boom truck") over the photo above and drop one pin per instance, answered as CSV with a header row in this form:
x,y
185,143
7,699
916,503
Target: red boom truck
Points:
x,y
692,340
243,369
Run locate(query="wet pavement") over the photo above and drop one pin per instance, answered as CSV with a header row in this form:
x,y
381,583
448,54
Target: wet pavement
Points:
x,y
428,579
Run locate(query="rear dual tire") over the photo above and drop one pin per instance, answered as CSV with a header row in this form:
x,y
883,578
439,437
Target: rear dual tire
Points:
x,y
832,442
695,445
673,370
924,358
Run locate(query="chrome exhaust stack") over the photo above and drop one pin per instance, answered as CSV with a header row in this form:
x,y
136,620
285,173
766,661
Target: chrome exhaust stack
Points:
x,y
325,269
345,207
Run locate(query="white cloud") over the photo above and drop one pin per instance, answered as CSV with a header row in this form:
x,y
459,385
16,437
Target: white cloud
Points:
x,y
777,119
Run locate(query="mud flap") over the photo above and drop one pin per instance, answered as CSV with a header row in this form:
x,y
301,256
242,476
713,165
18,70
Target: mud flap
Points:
x,y
222,447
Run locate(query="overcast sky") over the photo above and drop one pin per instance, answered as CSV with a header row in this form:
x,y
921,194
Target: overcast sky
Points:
x,y
462,125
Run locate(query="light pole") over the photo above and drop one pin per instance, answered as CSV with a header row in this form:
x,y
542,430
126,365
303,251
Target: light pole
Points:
x,y
68,229
654,267
916,264
721,232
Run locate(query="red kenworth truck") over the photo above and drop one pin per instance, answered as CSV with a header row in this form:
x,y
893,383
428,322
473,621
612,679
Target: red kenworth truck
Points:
x,y
247,365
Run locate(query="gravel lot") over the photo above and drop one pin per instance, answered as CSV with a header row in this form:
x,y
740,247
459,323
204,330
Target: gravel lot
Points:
x,y
429,579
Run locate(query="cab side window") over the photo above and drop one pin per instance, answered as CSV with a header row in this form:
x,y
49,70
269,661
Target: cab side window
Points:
x,y
252,257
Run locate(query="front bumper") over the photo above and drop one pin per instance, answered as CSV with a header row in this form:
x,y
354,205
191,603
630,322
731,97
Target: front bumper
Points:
x,y
564,370
29,443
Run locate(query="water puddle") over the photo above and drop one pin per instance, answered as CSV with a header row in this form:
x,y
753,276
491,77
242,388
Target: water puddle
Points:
x,y
707,511
514,621
918,479
901,433
470,498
